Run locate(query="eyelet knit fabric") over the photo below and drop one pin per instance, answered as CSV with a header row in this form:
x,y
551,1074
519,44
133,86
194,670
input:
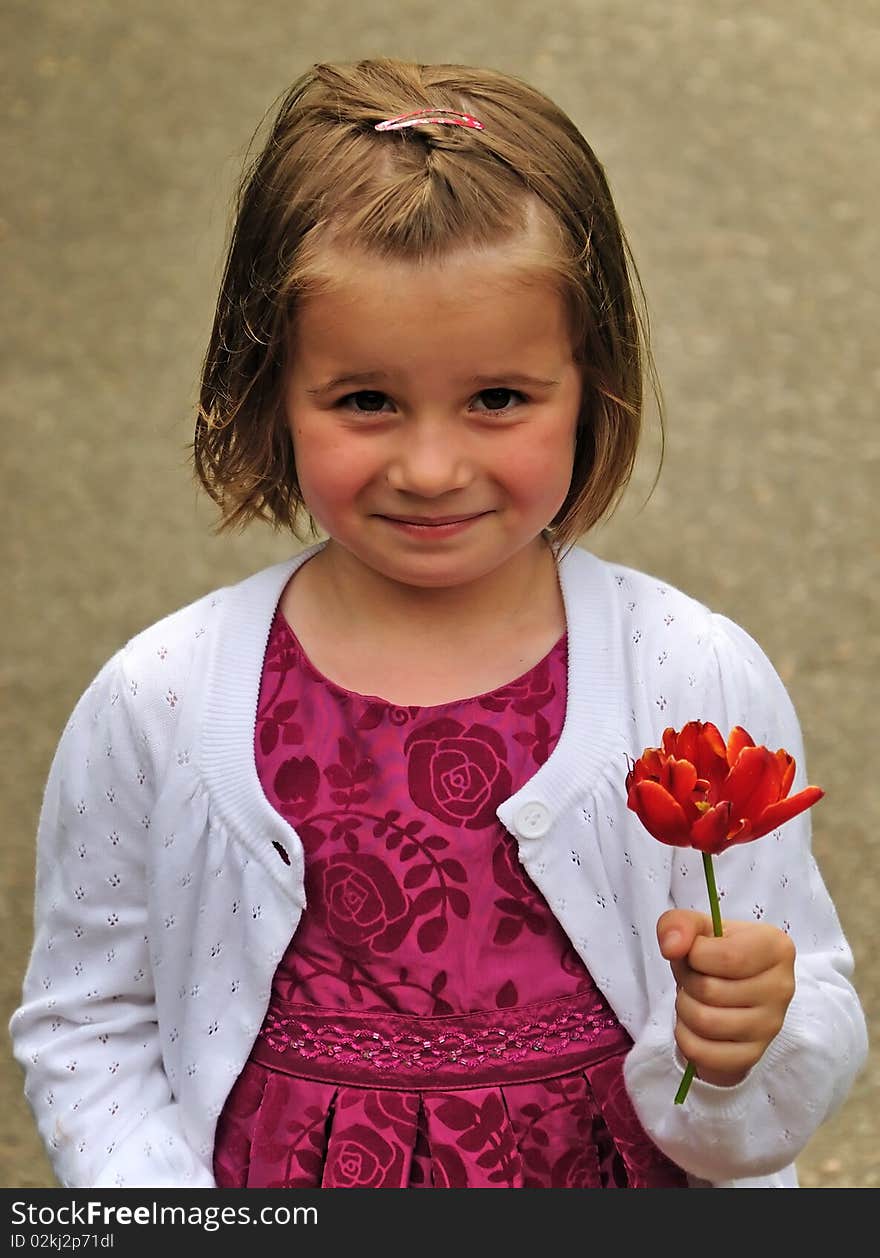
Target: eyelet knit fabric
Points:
x,y
430,1024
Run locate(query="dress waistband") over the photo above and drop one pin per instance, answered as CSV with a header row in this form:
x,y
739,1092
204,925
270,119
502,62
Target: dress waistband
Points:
x,y
470,1050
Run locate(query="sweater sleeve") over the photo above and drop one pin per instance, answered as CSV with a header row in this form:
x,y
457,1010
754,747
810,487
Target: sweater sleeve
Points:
x,y
86,1032
760,1125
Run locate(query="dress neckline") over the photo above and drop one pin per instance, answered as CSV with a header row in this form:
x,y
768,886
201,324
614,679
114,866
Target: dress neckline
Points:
x,y
283,625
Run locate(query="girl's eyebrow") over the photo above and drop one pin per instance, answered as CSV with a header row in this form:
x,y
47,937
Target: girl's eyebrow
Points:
x,y
361,377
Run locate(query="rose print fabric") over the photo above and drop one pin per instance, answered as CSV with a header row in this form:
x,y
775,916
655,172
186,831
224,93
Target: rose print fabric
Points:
x,y
430,1024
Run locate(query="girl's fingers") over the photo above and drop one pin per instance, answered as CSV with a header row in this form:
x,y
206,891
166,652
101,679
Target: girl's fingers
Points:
x,y
711,1022
745,950
772,987
722,1061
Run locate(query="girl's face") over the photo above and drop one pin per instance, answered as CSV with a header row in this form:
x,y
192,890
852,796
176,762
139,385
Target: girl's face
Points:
x,y
431,393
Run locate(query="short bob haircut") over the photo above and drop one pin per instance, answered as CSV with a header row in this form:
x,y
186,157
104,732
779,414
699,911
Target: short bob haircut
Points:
x,y
325,174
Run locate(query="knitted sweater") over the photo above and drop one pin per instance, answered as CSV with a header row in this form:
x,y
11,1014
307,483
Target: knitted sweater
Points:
x,y
168,888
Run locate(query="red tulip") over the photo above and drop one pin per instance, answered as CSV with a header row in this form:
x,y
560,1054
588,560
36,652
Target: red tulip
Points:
x,y
695,791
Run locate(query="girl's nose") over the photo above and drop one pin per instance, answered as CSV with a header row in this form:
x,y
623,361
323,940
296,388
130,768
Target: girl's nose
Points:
x,y
430,460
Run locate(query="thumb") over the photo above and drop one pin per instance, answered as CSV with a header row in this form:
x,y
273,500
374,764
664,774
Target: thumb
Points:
x,y
678,928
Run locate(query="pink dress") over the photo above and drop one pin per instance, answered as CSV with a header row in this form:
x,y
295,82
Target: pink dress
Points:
x,y
429,1025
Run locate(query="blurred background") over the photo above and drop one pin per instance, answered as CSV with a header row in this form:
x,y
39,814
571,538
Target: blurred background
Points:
x,y
741,144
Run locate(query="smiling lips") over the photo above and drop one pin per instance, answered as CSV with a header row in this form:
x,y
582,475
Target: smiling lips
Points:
x,y
426,523
443,526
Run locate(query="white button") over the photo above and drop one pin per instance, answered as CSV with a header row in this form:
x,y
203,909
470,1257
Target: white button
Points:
x,y
533,820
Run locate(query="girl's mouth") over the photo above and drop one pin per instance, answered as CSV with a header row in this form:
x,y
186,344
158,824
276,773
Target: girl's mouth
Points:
x,y
416,527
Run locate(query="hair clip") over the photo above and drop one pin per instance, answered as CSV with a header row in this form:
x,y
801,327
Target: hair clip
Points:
x,y
420,117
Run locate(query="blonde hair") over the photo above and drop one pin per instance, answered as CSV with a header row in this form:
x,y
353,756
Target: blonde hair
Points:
x,y
415,194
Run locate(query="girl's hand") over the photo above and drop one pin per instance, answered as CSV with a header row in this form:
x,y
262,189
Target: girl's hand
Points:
x,y
733,991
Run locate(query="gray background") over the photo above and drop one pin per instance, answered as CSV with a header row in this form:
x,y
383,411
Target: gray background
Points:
x,y
741,145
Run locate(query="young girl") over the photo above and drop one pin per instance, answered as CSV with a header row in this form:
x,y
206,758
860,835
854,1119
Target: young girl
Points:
x,y
337,884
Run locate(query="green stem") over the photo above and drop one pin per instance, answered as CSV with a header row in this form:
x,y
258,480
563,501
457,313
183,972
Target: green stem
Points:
x,y
684,1086
717,930
713,895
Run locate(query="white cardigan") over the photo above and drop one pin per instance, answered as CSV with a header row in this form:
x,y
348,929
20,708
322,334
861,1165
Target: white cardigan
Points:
x,y
163,908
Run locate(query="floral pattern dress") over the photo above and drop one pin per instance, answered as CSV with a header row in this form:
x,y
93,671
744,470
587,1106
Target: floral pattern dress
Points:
x,y
430,1025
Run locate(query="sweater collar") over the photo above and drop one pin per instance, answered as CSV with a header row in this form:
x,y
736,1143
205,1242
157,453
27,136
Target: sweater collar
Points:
x,y
592,733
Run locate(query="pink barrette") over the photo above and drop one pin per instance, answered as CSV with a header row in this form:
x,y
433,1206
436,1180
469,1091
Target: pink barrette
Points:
x,y
448,117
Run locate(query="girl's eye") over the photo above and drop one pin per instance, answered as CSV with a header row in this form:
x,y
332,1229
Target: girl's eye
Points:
x,y
496,398
369,401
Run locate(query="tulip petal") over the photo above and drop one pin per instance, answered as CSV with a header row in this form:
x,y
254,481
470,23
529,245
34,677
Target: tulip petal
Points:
x,y
654,764
660,814
786,764
737,740
753,783
710,735
709,834
698,741
711,758
649,765
777,814
681,783
743,832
